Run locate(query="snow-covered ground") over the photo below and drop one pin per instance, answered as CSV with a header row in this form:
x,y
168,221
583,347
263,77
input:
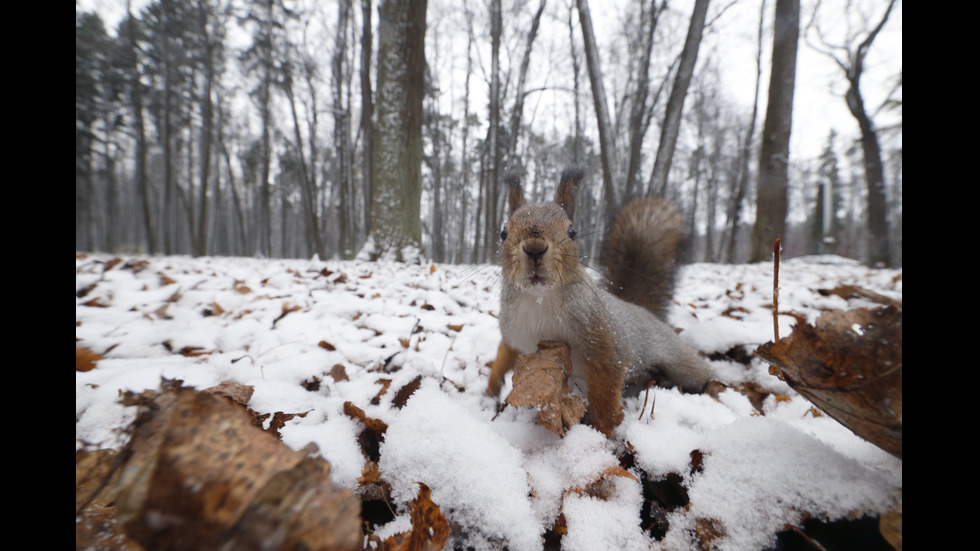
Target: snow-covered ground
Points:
x,y
279,325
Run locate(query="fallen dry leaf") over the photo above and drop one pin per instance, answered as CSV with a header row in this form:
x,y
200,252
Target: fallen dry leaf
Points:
x,y
377,426
405,392
213,309
600,487
430,529
236,392
97,302
338,373
85,359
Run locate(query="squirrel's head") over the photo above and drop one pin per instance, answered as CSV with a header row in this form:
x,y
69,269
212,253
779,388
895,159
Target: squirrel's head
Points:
x,y
537,243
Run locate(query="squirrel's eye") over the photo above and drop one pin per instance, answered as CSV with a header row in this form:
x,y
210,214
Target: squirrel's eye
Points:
x,y
571,232
503,234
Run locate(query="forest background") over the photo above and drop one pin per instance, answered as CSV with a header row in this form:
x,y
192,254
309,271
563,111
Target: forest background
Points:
x,y
281,128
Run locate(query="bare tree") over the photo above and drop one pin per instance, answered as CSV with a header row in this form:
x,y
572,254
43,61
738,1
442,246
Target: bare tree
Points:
x,y
742,181
850,57
517,111
639,111
367,107
771,193
607,147
129,32
675,103
493,156
397,148
343,173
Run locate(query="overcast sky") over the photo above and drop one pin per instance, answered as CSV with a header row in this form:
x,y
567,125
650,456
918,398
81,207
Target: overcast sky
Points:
x,y
818,102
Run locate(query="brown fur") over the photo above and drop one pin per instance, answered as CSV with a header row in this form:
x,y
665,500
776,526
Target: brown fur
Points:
x,y
547,295
640,256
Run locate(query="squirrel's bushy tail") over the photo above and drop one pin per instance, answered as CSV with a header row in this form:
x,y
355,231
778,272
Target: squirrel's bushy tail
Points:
x,y
641,253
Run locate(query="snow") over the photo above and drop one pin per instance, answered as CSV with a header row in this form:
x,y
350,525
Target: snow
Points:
x,y
500,478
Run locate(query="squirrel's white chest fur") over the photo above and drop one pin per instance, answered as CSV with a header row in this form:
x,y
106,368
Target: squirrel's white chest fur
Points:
x,y
533,316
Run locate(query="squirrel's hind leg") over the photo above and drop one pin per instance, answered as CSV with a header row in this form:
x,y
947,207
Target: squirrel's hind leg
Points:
x,y
605,386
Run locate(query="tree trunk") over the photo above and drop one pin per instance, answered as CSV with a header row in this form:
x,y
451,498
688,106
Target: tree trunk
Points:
x,y
243,247
638,110
307,181
464,166
879,246
493,156
200,246
341,133
675,103
397,149
517,113
576,68
607,147
771,193
742,184
367,108
265,114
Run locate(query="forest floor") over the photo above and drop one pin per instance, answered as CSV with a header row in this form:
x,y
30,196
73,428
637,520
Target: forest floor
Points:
x,y
380,371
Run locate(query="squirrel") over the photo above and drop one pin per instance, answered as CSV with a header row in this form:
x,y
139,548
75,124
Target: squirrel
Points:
x,y
616,333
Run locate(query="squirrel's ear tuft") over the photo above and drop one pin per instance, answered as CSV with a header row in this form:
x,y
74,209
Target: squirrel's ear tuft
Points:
x,y
567,189
515,189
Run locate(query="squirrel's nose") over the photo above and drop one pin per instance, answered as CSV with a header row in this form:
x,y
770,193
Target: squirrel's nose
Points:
x,y
535,248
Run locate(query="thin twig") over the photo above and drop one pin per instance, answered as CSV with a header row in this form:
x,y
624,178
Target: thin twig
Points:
x,y
775,289
645,396
803,535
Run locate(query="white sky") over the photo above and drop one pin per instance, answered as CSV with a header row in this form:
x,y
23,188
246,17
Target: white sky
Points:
x,y
818,104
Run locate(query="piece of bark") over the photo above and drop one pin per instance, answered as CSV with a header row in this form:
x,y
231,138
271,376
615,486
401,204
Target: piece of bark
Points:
x,y
201,476
848,292
541,381
95,494
850,366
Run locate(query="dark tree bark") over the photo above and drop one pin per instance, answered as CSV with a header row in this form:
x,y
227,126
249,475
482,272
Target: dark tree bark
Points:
x,y
367,107
675,103
397,148
342,130
493,155
517,113
200,242
639,109
141,177
771,193
607,147
307,172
